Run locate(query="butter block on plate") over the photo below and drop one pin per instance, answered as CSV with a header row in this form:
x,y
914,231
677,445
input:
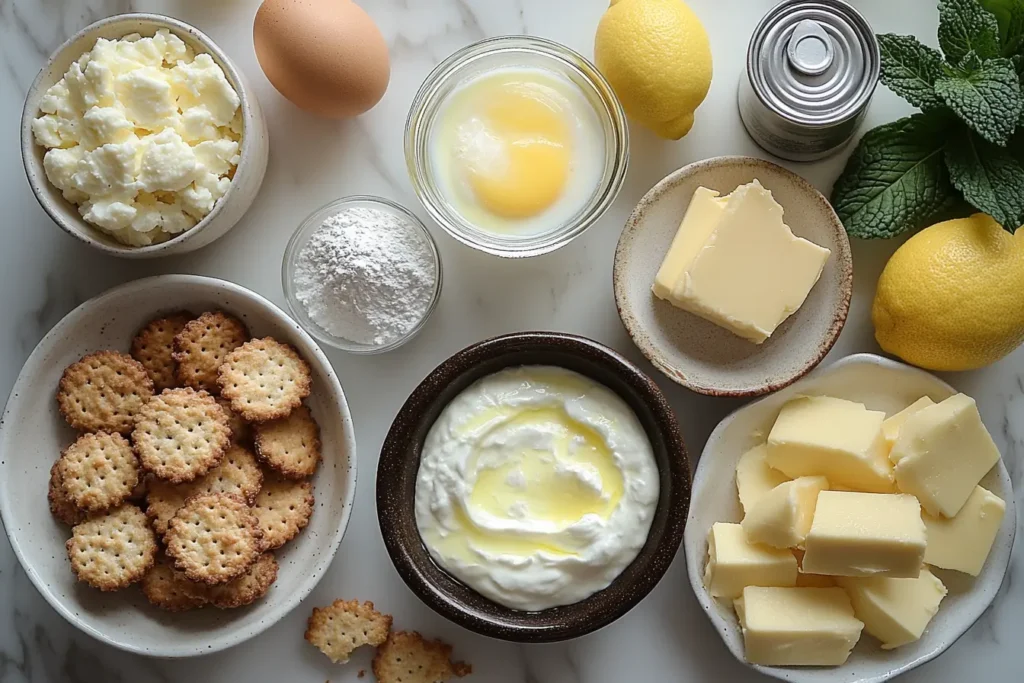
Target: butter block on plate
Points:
x,y
865,534
754,477
797,626
896,611
942,453
834,438
964,542
782,517
891,426
734,563
735,263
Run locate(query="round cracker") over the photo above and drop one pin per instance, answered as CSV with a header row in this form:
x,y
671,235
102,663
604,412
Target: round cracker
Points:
x,y
249,587
283,508
167,588
62,508
103,391
180,434
153,346
241,432
214,538
99,471
290,446
113,550
408,657
341,627
264,379
202,345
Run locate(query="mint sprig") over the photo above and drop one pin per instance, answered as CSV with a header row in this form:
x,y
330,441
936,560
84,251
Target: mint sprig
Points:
x,y
964,151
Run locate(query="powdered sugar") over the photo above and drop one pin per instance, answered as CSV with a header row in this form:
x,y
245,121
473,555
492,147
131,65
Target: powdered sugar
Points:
x,y
366,275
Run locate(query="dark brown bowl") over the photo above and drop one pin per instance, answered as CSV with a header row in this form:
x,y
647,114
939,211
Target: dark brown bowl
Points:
x,y
400,460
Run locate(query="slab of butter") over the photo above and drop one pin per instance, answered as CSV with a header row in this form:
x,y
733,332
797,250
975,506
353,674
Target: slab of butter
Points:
x,y
734,563
891,426
782,517
830,437
964,542
865,534
734,262
941,454
797,626
754,478
896,611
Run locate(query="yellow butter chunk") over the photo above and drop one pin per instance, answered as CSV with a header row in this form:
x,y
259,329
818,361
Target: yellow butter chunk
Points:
x,y
782,517
964,542
739,265
754,477
942,453
797,626
734,562
896,611
891,426
865,534
830,437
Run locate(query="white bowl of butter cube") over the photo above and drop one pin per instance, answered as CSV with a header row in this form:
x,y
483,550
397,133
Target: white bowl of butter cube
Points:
x,y
869,525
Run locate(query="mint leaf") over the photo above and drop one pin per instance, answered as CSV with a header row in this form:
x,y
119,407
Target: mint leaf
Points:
x,y
970,64
1009,16
988,99
896,179
965,26
910,69
988,176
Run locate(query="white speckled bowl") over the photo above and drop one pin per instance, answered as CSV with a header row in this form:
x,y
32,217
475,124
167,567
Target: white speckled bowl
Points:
x,y
32,434
696,353
226,212
881,384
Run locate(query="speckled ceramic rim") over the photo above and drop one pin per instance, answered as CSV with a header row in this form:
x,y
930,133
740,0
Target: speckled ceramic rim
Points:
x,y
313,355
34,167
301,237
399,464
844,260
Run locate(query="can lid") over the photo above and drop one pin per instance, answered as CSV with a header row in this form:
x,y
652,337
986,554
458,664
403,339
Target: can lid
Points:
x,y
814,62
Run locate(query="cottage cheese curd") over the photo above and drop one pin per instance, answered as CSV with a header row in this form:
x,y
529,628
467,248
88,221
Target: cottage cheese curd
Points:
x,y
537,487
143,135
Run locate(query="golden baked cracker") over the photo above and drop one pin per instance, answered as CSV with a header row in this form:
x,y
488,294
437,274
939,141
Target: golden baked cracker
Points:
x,y
180,434
407,657
112,550
283,508
99,471
103,391
200,348
241,433
264,379
62,508
167,588
214,537
247,588
291,445
341,627
153,346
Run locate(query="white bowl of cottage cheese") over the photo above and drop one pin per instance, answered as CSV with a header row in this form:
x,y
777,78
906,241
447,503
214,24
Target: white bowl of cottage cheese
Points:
x,y
141,138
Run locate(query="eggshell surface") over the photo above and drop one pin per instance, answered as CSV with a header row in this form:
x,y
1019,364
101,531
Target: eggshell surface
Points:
x,y
326,56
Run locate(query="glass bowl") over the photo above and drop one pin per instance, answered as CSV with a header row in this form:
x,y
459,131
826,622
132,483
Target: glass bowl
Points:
x,y
299,239
504,52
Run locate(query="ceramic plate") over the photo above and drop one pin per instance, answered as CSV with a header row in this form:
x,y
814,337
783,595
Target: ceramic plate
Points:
x,y
32,434
881,384
696,353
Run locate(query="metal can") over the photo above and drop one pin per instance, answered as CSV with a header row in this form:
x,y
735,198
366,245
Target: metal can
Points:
x,y
812,67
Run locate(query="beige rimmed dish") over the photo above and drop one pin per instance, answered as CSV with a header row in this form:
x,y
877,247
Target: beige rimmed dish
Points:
x,y
696,353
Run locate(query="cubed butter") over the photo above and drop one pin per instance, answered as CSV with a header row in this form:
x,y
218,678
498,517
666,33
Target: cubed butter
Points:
x,y
797,626
941,454
754,477
891,426
964,542
896,611
734,563
736,263
782,517
804,580
834,438
865,534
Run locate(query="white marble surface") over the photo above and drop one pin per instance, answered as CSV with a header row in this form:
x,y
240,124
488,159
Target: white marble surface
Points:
x,y
43,274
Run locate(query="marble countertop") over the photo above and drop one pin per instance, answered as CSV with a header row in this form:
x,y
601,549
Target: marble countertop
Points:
x,y
44,274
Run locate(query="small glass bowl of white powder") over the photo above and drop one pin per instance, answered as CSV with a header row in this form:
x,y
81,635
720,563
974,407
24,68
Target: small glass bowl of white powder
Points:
x,y
362,274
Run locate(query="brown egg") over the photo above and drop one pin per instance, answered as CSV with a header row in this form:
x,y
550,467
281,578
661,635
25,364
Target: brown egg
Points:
x,y
326,56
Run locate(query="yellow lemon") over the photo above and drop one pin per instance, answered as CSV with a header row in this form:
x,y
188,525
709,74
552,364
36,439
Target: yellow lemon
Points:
x,y
951,297
656,55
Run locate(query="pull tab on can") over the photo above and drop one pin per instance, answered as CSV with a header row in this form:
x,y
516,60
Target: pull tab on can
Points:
x,y
810,50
